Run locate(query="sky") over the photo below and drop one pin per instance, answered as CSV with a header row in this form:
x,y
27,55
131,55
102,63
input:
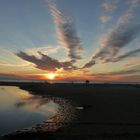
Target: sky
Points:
x,y
98,40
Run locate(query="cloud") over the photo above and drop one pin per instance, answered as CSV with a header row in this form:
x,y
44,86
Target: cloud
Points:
x,y
126,55
131,70
46,63
4,76
110,5
105,18
131,75
14,65
134,3
129,13
131,78
45,49
66,33
112,43
89,64
117,38
126,18
124,72
67,38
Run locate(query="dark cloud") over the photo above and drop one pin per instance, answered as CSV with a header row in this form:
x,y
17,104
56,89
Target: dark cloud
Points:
x,y
122,72
9,77
126,55
46,63
115,40
131,78
89,64
132,70
66,32
112,43
68,39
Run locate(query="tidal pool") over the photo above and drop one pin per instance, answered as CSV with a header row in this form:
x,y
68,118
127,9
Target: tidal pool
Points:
x,y
19,109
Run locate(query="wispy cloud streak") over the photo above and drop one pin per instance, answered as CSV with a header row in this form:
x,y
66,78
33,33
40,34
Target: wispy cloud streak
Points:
x,y
126,55
66,33
131,71
105,18
89,64
68,39
117,38
129,13
121,72
110,5
112,43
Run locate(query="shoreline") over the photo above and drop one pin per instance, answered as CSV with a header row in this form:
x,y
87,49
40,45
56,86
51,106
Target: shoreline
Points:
x,y
49,126
105,111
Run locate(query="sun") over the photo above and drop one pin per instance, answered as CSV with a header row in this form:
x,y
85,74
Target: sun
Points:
x,y
51,76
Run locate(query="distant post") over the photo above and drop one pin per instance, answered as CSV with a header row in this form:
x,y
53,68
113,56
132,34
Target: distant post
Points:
x,y
46,82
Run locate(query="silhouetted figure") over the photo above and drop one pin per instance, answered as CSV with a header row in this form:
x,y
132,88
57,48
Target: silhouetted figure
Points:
x,y
87,82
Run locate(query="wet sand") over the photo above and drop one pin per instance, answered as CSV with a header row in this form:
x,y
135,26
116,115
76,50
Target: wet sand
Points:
x,y
104,111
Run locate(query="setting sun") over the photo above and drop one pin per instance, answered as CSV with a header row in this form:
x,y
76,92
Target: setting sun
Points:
x,y
51,76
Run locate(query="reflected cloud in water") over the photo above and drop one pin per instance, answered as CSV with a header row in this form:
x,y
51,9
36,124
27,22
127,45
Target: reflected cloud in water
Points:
x,y
22,111
60,112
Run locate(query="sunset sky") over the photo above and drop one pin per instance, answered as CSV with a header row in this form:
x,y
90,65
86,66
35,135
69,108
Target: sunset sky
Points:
x,y
71,40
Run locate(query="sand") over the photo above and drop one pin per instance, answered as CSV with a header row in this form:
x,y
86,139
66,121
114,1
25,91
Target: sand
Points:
x,y
104,111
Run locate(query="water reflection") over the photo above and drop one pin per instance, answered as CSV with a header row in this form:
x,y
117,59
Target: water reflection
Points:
x,y
40,105
20,110
62,108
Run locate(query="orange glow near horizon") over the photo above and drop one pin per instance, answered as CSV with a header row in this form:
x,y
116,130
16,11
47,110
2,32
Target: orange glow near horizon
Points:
x,y
51,76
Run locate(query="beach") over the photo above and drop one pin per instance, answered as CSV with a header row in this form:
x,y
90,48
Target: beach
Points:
x,y
103,111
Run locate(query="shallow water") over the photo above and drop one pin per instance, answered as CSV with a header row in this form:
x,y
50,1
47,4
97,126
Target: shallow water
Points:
x,y
19,109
